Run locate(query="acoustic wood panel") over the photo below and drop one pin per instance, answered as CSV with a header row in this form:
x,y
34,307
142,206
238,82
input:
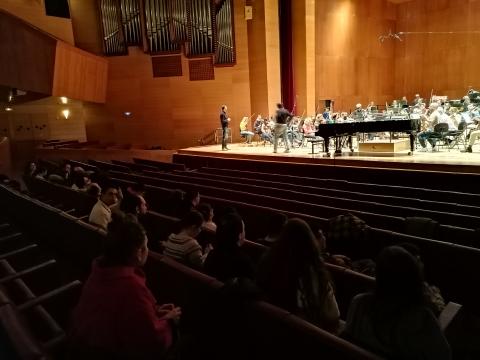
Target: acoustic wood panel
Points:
x,y
352,65
27,56
442,64
79,74
165,66
201,69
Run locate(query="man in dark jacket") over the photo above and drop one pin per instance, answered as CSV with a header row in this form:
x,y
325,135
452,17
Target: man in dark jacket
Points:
x,y
224,120
281,118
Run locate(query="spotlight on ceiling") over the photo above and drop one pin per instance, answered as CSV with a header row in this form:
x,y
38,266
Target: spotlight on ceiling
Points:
x,y
66,113
8,108
64,99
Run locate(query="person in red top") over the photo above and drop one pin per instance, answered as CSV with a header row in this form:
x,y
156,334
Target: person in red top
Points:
x,y
117,316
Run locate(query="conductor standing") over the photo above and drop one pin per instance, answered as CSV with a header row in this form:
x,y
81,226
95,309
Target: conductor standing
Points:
x,y
224,120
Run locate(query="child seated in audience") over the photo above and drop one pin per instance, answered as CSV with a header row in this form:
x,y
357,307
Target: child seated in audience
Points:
x,y
227,260
182,246
293,276
394,320
101,213
207,212
117,316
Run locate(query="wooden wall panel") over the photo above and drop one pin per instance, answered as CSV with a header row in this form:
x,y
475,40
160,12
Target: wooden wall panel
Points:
x,y
258,59
444,63
42,119
33,11
86,25
351,64
27,56
79,74
171,112
304,63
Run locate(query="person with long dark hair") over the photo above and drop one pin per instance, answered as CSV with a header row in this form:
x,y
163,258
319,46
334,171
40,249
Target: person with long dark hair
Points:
x,y
293,276
227,260
117,316
394,320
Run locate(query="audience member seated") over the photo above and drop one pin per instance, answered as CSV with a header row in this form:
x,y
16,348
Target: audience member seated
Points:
x,y
133,190
434,298
190,201
274,226
182,246
395,321
117,316
207,212
80,181
94,190
101,213
40,173
228,261
340,260
134,205
30,169
66,174
293,276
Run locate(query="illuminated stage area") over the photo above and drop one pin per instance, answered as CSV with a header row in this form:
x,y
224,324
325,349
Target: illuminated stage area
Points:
x,y
452,160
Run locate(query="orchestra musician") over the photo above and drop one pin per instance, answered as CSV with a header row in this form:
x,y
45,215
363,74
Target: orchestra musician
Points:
x,y
418,100
475,134
266,131
308,128
433,119
224,120
244,132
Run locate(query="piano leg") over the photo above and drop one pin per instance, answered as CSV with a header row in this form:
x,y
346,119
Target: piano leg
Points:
x,y
412,143
338,145
326,140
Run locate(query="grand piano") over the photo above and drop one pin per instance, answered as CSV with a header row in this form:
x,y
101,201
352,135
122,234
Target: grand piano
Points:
x,y
341,130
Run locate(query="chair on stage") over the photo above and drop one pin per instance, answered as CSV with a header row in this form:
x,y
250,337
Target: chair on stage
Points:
x,y
439,134
457,137
219,135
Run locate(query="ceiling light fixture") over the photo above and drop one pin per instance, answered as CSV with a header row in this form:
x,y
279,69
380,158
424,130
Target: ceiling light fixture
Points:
x,y
64,99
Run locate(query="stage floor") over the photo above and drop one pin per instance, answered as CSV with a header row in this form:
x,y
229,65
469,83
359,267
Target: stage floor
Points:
x,y
443,160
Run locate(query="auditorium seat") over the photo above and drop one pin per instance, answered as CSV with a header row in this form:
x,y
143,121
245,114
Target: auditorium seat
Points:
x,y
160,165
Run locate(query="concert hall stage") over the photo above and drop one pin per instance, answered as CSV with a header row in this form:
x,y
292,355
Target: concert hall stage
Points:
x,y
443,160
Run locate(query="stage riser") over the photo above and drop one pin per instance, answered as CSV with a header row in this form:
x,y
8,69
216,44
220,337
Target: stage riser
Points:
x,y
384,147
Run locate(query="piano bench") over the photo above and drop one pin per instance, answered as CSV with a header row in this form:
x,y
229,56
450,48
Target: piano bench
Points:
x,y
315,141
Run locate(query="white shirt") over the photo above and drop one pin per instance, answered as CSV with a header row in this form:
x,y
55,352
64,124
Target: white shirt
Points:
x,y
101,215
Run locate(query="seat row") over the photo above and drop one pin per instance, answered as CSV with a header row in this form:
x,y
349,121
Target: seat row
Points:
x,y
35,301
262,330
456,180
445,262
272,198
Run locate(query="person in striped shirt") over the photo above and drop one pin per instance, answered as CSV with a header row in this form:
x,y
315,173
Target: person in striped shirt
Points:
x,y
182,246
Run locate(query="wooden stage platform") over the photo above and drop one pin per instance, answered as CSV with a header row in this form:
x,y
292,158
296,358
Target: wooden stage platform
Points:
x,y
443,160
